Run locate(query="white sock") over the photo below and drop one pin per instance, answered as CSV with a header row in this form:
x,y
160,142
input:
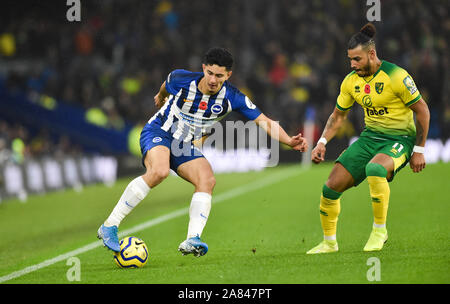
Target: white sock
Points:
x,y
330,237
379,225
134,193
198,213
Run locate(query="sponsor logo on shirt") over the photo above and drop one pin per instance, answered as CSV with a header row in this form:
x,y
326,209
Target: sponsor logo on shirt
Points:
x,y
375,112
367,101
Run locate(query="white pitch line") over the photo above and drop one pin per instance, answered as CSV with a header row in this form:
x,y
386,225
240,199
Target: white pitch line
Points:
x,y
277,177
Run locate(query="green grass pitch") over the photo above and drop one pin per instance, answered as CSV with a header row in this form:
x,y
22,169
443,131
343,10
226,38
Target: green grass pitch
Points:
x,y
258,232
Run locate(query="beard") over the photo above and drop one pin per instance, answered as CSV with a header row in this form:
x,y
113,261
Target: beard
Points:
x,y
364,70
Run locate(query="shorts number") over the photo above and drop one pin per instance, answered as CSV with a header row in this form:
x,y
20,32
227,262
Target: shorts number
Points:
x,y
399,149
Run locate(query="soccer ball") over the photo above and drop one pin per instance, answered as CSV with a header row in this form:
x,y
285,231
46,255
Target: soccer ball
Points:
x,y
133,253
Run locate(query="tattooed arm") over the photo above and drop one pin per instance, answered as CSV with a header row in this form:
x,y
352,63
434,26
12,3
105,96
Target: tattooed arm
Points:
x,y
333,124
417,162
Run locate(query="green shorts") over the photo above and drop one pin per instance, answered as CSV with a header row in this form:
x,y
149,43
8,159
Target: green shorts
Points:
x,y
357,156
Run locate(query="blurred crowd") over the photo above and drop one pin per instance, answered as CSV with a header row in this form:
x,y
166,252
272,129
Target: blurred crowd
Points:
x,y
290,55
18,143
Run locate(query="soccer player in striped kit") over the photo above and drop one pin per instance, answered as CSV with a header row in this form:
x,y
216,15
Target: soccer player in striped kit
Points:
x,y
190,103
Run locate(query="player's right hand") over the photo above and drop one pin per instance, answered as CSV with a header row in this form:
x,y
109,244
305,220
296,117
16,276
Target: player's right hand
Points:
x,y
318,153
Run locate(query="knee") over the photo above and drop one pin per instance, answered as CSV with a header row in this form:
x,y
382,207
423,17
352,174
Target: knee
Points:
x,y
336,185
330,194
207,183
375,169
211,182
158,173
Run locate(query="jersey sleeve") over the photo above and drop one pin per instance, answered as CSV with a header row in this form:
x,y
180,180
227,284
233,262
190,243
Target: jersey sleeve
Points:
x,y
405,88
242,104
176,79
345,100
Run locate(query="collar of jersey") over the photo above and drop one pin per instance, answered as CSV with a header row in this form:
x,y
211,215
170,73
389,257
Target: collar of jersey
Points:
x,y
376,73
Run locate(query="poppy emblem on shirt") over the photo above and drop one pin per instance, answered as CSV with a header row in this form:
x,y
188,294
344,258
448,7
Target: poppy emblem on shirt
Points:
x,y
367,89
216,109
203,105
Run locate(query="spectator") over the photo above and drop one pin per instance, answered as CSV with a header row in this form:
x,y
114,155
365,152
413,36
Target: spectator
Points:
x,y
294,51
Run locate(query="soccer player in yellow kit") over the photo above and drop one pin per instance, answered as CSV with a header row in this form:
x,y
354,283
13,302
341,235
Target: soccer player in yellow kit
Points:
x,y
391,138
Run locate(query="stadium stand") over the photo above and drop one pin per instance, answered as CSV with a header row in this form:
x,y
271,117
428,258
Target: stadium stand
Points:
x,y
103,72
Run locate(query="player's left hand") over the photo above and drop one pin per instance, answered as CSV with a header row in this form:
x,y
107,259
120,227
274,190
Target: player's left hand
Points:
x,y
417,162
159,100
298,143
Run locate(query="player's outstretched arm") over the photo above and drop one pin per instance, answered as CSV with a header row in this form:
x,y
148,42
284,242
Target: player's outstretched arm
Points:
x,y
333,124
160,98
417,162
275,131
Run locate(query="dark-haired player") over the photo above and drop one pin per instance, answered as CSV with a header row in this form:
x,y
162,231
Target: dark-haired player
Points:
x,y
190,103
391,138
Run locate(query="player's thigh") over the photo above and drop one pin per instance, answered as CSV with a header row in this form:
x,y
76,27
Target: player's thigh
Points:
x,y
155,148
340,179
393,155
199,173
157,164
350,165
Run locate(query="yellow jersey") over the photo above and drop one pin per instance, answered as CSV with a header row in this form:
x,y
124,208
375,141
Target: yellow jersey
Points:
x,y
385,98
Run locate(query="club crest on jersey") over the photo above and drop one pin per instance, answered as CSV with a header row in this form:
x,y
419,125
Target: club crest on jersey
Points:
x,y
379,87
216,109
367,101
367,89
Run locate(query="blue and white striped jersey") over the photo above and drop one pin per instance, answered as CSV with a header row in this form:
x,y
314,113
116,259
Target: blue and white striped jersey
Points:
x,y
188,113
